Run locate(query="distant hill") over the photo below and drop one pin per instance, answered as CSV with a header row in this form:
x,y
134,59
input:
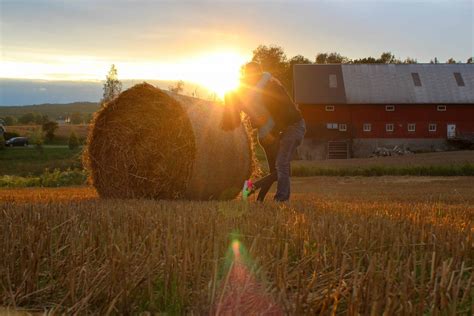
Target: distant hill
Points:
x,y
53,111
24,91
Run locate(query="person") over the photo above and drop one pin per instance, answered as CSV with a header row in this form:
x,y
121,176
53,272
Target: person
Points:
x,y
279,122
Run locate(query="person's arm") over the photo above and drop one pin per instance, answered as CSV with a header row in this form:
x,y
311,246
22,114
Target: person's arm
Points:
x,y
231,112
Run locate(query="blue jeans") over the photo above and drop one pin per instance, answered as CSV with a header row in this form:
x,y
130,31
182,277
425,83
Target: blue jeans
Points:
x,y
290,139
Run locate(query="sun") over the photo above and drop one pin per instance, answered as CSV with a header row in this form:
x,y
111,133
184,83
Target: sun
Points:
x,y
218,72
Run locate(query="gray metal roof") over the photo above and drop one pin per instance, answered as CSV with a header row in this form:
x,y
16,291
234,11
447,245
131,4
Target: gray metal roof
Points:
x,y
385,84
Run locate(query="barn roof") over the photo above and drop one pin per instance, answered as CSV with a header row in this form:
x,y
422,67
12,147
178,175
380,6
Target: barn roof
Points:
x,y
384,84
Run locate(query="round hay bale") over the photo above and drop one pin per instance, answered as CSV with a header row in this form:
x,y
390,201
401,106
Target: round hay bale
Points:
x,y
147,143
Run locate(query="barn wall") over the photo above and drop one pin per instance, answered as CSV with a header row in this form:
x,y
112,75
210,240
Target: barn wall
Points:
x,y
356,115
363,143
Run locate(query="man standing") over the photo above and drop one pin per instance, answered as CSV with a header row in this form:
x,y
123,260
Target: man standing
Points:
x,y
281,127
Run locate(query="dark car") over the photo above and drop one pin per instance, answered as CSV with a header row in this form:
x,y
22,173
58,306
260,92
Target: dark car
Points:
x,y
17,141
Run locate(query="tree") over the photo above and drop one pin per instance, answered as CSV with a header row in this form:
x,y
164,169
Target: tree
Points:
x,y
273,60
36,138
434,61
76,118
470,60
73,141
389,58
331,58
112,86
410,60
451,61
49,128
178,87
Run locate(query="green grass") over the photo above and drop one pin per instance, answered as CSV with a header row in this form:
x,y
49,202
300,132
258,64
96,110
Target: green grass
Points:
x,y
48,178
450,170
32,162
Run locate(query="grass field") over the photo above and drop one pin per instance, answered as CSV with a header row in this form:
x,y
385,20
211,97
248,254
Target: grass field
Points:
x,y
393,245
30,161
61,134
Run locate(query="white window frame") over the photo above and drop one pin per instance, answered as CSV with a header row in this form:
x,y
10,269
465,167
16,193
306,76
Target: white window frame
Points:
x,y
432,130
441,108
343,127
411,127
329,108
387,129
367,127
332,126
390,108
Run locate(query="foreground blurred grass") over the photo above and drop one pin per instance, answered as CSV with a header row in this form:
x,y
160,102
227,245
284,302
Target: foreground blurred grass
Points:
x,y
313,255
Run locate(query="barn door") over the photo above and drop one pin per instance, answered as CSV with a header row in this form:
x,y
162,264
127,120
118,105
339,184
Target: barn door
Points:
x,y
451,131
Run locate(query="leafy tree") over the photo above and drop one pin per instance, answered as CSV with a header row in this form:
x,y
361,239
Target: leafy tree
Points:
x,y
73,141
388,58
178,87
49,128
365,60
112,86
410,60
451,61
273,60
36,138
470,60
76,118
434,61
331,58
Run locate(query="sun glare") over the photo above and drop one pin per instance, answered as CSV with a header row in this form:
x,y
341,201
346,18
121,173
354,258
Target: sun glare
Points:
x,y
218,72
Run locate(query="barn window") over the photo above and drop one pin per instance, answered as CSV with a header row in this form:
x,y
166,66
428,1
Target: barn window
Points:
x,y
329,108
367,127
432,127
390,108
416,79
389,127
332,81
411,127
459,79
342,127
331,125
441,108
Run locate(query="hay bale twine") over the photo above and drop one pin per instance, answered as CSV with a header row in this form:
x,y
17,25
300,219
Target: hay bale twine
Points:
x,y
147,143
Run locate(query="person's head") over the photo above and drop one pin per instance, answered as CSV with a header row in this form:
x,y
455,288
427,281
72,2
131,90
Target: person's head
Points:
x,y
251,73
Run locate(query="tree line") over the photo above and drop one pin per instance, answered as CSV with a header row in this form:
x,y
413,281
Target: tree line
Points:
x,y
274,60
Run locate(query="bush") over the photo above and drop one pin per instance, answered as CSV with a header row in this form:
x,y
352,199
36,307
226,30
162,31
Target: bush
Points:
x,y
73,142
55,178
36,138
49,128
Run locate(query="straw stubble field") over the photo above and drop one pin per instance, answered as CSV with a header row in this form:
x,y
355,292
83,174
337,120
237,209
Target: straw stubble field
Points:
x,y
369,251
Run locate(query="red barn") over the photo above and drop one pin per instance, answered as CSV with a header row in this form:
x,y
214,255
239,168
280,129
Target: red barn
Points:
x,y
352,109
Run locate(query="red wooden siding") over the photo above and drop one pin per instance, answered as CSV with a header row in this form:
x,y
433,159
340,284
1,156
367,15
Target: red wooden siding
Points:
x,y
356,115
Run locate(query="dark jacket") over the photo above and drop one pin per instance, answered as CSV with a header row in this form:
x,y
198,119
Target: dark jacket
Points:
x,y
280,106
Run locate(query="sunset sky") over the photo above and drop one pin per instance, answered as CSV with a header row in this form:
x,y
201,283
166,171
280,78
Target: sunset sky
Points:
x,y
78,40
